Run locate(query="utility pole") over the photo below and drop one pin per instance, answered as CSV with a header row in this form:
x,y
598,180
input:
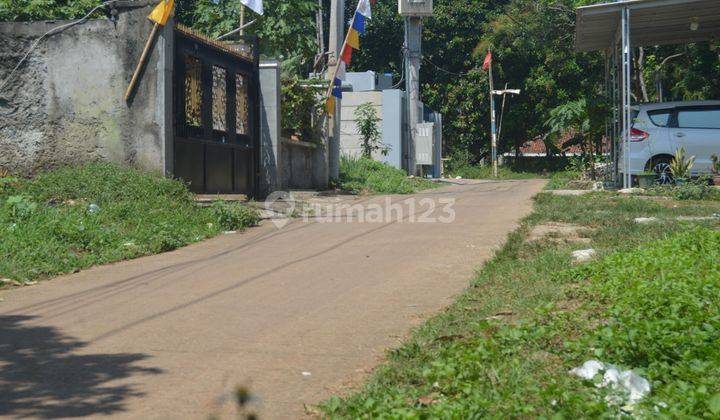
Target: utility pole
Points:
x,y
336,39
413,11
493,126
413,43
320,35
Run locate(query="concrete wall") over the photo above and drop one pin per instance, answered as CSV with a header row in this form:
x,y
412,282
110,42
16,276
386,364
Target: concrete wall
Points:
x,y
65,105
298,165
388,105
350,140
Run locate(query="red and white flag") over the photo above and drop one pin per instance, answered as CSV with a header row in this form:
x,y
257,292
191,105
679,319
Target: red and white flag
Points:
x,y
488,61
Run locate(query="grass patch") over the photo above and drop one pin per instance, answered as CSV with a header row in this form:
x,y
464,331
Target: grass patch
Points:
x,y
367,176
485,172
76,217
504,348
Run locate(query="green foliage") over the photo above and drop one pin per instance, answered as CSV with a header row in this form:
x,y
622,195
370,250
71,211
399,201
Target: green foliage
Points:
x,y
485,172
287,29
233,216
367,122
699,189
503,350
362,175
301,107
663,318
30,10
681,164
76,217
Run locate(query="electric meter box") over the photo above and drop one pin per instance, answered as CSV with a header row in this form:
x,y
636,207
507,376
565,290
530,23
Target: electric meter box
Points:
x,y
415,8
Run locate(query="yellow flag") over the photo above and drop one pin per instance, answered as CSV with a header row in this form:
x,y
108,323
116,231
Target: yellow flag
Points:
x,y
162,12
353,39
330,106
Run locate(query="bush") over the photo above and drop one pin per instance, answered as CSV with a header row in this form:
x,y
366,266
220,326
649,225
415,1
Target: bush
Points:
x,y
698,189
232,216
362,175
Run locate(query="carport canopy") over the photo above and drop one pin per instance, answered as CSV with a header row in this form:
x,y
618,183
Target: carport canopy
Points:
x,y
653,22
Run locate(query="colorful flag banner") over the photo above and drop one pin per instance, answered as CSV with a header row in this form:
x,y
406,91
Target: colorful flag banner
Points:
x,y
330,105
340,72
255,5
346,54
161,13
364,8
359,23
488,61
353,39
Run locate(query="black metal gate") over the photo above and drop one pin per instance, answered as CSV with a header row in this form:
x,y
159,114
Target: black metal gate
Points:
x,y
216,115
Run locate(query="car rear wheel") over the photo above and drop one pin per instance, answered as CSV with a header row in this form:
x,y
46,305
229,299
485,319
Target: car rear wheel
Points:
x,y
661,167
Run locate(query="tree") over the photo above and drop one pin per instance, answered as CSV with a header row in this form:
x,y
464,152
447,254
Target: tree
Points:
x,y
367,122
287,29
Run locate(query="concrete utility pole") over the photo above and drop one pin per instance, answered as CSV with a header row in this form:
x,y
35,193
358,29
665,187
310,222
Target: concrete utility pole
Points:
x,y
413,43
336,39
413,11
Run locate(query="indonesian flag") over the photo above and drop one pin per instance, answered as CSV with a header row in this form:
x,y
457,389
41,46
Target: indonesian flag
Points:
x,y
488,61
255,5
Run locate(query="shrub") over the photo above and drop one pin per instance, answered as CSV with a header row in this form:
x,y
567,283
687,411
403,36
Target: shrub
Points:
x,y
698,189
362,175
232,216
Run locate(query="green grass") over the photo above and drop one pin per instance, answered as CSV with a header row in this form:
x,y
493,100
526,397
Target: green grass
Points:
x,y
485,172
367,176
504,348
76,217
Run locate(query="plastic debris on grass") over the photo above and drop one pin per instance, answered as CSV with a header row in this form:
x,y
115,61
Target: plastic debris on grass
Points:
x,y
583,255
633,387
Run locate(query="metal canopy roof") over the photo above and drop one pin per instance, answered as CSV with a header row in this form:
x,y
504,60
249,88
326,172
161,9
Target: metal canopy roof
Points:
x,y
652,22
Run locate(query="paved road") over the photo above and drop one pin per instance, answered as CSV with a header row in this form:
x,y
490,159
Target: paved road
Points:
x,y
296,314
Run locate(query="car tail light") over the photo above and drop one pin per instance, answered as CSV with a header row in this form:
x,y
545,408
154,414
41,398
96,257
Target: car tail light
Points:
x,y
638,135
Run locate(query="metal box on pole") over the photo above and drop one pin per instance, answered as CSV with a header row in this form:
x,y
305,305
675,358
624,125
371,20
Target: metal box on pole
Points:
x,y
415,8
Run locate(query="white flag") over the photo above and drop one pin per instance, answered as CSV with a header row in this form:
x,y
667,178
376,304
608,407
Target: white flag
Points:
x,y
364,8
255,5
340,74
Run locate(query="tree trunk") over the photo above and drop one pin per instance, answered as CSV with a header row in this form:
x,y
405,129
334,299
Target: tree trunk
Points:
x,y
641,74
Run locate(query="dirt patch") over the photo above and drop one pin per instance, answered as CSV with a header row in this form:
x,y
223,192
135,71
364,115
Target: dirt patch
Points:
x,y
560,233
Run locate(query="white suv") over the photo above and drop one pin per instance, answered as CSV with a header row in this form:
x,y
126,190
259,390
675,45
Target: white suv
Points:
x,y
658,130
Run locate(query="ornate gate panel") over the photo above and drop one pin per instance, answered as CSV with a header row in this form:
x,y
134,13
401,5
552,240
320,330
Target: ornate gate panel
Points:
x,y
216,115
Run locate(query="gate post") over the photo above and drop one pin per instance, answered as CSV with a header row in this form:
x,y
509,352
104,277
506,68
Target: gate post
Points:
x,y
270,120
166,98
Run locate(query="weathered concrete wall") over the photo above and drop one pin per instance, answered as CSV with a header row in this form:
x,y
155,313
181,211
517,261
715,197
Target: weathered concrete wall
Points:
x,y
65,105
299,160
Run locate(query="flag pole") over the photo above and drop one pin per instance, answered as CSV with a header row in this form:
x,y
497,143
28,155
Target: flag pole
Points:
x,y
493,132
242,19
141,63
339,58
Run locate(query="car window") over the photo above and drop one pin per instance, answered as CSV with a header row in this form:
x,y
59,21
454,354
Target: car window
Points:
x,y
660,117
699,118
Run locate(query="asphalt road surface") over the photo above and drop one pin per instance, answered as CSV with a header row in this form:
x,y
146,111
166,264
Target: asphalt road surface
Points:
x,y
295,314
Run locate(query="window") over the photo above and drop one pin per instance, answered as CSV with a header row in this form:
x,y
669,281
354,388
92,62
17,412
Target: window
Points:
x,y
660,117
708,117
241,103
193,92
219,104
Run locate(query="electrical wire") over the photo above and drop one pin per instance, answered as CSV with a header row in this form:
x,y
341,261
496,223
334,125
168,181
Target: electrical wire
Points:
x,y
464,74
403,55
52,32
